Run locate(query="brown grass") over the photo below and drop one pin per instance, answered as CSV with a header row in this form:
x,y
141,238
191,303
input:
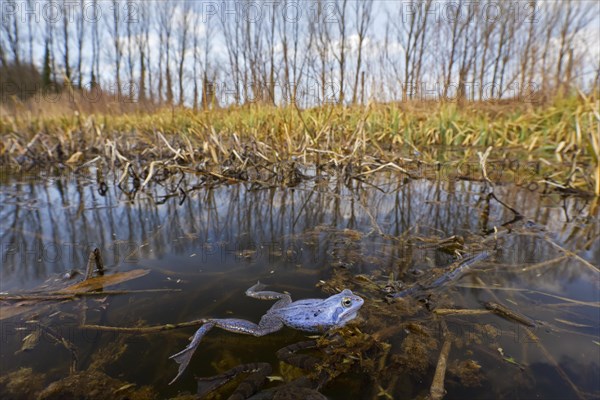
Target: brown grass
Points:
x,y
562,137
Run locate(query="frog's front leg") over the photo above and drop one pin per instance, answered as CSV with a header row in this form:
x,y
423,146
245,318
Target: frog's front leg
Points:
x,y
267,325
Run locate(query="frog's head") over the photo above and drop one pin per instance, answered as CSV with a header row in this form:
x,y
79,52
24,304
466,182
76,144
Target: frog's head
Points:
x,y
345,307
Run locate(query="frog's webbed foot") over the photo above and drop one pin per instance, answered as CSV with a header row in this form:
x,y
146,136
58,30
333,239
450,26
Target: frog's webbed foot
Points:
x,y
266,326
184,356
249,386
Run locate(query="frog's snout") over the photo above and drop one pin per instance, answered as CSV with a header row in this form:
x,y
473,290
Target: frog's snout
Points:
x,y
357,300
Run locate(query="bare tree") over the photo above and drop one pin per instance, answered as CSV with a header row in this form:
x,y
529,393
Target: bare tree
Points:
x,y
10,32
552,14
577,16
486,43
319,28
458,26
184,26
363,10
80,34
503,44
527,61
165,21
95,67
232,33
469,51
66,15
411,30
295,49
255,75
130,15
340,56
207,85
270,39
117,44
196,60
30,31
268,56
141,39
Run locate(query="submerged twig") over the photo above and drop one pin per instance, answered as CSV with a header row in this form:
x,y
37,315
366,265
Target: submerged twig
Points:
x,y
59,296
574,302
572,254
507,313
58,338
454,271
453,311
553,362
437,391
146,329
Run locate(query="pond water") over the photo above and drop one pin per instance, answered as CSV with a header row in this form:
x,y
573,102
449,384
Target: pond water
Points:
x,y
208,245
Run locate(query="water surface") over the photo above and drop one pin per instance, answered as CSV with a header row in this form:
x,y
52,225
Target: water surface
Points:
x,y
213,243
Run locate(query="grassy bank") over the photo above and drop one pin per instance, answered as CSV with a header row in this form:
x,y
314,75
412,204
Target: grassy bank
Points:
x,y
562,137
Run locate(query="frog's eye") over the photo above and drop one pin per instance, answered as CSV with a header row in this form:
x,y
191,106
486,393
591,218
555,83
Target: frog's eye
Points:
x,y
346,302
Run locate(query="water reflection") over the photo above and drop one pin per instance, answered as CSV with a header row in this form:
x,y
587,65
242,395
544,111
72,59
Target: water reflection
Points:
x,y
214,242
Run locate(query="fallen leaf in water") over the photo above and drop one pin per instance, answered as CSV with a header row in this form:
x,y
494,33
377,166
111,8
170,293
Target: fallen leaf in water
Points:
x,y
30,341
101,300
8,311
100,282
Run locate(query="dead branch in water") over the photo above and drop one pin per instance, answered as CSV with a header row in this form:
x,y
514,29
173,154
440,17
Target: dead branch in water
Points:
x,y
437,391
146,329
507,313
95,258
60,296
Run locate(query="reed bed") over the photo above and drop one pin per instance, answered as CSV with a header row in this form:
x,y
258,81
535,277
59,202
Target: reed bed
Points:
x,y
562,138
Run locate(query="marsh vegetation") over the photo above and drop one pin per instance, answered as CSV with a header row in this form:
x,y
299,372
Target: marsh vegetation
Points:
x,y
313,157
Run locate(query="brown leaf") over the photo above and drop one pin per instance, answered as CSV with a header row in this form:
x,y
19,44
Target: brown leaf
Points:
x,y
30,341
12,310
100,282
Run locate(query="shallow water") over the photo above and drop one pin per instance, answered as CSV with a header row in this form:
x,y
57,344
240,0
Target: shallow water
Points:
x,y
213,243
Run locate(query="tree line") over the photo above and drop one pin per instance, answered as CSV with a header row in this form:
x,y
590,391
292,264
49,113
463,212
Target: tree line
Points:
x,y
204,54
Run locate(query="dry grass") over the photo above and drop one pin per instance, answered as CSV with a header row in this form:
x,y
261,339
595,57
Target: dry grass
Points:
x,y
562,136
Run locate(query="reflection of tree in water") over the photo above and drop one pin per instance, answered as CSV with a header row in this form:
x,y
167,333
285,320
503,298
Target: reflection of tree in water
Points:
x,y
336,228
53,224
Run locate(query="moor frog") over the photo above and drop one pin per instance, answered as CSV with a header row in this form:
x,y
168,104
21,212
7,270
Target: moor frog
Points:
x,y
311,315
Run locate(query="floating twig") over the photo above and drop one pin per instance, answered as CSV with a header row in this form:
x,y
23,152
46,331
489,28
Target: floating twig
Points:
x,y
453,311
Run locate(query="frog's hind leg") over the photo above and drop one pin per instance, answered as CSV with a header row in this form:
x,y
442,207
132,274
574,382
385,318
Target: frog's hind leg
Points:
x,y
266,326
184,356
256,292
